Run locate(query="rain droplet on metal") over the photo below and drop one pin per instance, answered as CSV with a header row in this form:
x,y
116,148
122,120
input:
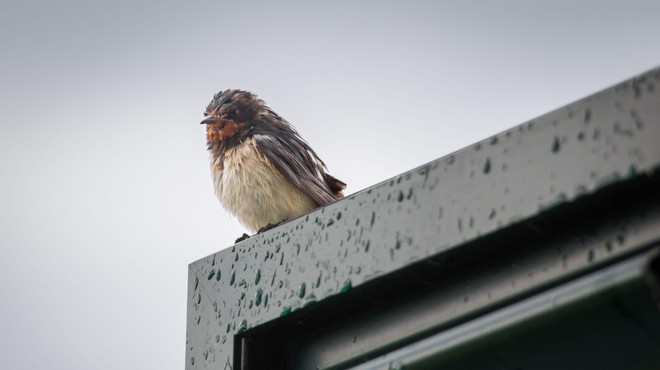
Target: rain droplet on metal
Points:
x,y
348,285
587,116
242,326
486,168
556,145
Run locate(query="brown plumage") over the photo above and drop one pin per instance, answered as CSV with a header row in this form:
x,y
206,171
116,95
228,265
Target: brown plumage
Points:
x,y
264,173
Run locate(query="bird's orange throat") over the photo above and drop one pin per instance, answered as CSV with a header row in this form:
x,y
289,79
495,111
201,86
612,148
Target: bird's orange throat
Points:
x,y
222,131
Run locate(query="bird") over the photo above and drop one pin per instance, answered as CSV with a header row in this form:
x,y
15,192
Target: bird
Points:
x,y
264,173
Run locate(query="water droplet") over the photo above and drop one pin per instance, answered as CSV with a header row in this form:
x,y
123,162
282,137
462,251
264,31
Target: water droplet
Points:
x,y
619,130
486,168
590,255
639,124
257,278
318,279
211,274
373,218
348,285
587,116
330,222
258,295
596,135
556,145
242,327
286,310
338,216
620,239
232,278
397,245
301,290
399,196
311,299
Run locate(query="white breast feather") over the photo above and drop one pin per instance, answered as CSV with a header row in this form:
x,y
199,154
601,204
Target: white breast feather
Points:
x,y
253,190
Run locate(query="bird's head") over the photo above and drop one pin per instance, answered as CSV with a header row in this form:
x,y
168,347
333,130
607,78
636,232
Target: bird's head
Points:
x,y
230,115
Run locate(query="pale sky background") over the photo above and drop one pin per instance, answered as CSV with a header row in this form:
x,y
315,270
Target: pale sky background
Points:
x,y
105,191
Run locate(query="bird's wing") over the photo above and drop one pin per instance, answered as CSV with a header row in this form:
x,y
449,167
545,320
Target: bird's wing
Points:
x,y
300,165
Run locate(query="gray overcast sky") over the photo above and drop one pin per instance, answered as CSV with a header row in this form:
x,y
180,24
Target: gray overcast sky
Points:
x,y
106,194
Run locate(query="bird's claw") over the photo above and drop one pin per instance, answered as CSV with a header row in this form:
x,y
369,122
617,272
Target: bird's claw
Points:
x,y
242,237
265,228
270,226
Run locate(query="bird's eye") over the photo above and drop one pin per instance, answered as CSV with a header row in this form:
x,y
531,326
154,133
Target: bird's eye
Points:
x,y
233,113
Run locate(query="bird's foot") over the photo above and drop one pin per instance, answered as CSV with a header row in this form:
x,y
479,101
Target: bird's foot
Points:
x,y
241,238
265,228
270,226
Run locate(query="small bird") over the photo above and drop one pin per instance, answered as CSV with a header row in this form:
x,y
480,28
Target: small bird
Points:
x,y
263,172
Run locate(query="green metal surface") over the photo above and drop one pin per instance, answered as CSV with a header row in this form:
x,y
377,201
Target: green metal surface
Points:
x,y
552,200
606,320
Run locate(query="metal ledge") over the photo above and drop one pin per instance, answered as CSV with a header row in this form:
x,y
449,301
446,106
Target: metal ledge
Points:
x,y
505,198
614,299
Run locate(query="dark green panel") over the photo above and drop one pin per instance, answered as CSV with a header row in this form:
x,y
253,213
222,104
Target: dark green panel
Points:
x,y
605,320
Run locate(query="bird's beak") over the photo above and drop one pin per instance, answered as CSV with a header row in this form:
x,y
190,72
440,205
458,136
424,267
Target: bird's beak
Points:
x,y
209,119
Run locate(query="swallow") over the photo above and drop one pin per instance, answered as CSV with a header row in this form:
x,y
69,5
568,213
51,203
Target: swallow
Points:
x,y
264,172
